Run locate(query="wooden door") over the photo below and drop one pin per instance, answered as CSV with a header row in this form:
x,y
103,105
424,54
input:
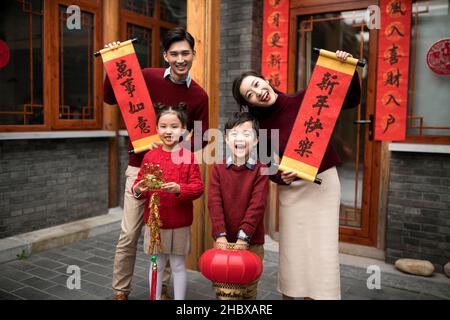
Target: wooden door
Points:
x,y
337,25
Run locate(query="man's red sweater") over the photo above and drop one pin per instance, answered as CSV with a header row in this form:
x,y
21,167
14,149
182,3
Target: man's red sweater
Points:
x,y
237,200
175,211
163,90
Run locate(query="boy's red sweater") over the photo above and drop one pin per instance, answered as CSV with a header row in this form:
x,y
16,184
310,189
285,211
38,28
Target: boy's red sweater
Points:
x,y
237,200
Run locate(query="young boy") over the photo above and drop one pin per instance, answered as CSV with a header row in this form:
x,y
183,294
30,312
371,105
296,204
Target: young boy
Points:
x,y
238,191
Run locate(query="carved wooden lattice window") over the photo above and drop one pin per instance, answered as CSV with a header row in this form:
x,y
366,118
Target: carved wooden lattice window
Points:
x,y
143,7
76,76
21,75
428,111
51,80
79,73
173,11
143,46
149,21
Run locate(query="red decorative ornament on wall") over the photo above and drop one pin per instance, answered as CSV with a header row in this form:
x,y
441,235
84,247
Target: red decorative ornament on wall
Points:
x,y
4,54
438,57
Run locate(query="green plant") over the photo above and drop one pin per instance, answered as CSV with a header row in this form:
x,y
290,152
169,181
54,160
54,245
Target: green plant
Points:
x,y
22,256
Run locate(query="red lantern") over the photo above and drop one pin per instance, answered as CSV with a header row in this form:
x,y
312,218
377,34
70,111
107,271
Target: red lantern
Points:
x,y
4,54
229,270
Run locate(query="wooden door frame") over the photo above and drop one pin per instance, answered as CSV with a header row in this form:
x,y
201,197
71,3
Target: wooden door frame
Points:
x,y
367,235
203,22
97,94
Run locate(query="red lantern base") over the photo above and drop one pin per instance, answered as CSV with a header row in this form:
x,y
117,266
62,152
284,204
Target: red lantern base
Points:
x,y
227,291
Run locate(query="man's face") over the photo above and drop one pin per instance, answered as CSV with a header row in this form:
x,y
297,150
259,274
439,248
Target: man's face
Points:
x,y
241,140
179,56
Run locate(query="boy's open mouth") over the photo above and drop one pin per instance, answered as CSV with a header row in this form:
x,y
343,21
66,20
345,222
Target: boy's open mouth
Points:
x,y
239,146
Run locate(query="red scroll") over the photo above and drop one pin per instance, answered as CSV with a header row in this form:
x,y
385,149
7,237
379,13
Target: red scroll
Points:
x,y
393,70
275,43
131,92
317,116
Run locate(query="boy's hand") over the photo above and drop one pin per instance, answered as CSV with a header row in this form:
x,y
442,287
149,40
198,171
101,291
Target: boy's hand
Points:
x,y
113,45
140,187
242,242
288,176
171,187
222,240
342,55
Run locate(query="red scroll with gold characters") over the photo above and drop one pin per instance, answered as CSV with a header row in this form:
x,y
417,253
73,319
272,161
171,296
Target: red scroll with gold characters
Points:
x,y
132,95
393,70
275,43
317,116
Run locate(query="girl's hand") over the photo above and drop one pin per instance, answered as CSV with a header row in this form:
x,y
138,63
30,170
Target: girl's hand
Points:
x,y
342,55
113,45
288,176
140,187
171,187
155,145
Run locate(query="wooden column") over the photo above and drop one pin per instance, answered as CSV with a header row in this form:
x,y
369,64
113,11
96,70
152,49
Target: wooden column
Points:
x,y
111,30
203,22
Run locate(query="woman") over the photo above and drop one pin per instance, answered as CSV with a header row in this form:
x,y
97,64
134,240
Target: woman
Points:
x,y
309,213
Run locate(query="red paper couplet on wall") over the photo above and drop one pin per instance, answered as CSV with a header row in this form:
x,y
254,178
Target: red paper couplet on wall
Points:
x,y
275,42
393,70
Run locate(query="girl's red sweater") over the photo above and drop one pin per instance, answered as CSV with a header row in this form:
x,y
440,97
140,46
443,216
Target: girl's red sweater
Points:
x,y
176,210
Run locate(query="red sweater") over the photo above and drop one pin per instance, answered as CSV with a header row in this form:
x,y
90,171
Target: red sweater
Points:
x,y
237,200
176,210
282,114
163,90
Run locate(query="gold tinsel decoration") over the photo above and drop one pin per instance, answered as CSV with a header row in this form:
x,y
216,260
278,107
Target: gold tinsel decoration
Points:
x,y
153,179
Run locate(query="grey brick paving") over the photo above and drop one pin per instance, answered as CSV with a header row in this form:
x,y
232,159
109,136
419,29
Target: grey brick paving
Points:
x,y
44,276
38,283
8,296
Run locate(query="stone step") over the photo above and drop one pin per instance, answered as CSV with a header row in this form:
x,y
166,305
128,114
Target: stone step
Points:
x,y
58,236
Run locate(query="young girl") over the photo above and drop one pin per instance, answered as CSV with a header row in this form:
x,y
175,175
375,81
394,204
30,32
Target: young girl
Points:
x,y
183,184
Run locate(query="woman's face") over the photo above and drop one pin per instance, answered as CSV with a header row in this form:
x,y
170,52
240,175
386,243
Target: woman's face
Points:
x,y
257,92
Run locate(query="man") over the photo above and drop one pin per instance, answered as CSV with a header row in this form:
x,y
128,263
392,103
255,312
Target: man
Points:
x,y
168,86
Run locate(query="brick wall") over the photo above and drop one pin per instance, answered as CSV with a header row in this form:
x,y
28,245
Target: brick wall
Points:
x,y
418,222
241,32
49,182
